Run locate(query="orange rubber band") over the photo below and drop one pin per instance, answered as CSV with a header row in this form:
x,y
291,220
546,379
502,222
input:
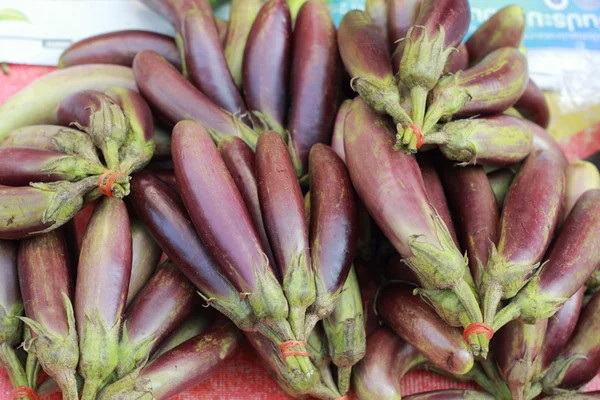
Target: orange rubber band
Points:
x,y
286,351
478,327
106,187
420,138
23,392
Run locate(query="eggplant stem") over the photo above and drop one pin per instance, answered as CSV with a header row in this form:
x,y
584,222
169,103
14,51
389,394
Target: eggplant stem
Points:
x,y
493,374
492,296
418,96
327,377
32,369
9,359
509,313
344,374
90,389
439,138
434,114
65,379
468,299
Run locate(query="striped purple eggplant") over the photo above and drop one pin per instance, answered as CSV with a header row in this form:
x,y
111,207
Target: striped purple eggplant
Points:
x,y
100,117
11,303
21,165
337,140
206,64
473,205
573,249
506,28
101,293
450,394
533,105
542,140
402,14
36,104
175,10
378,11
387,181
415,321
388,358
45,278
579,360
282,207
535,195
366,58
333,229
119,48
490,87
581,176
500,181
176,99
181,368
240,161
223,223
438,28
145,253
241,18
516,346
266,66
164,303
458,60
138,148
162,211
314,81
500,140
560,329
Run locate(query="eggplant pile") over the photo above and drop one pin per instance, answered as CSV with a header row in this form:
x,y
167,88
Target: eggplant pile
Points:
x,y
353,203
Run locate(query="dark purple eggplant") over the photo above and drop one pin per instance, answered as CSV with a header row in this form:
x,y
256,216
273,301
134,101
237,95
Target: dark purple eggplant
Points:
x,y
337,140
119,48
266,66
490,87
535,195
11,303
533,105
500,181
145,253
313,81
415,321
47,291
333,229
579,360
378,11
241,18
388,358
471,199
542,140
282,207
458,60
206,64
574,249
163,304
401,16
181,368
162,144
175,10
101,293
240,161
506,28
176,99
450,394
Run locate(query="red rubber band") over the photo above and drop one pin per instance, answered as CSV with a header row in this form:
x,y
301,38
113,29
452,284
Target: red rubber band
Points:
x,y
286,351
420,138
23,392
478,327
106,186
343,398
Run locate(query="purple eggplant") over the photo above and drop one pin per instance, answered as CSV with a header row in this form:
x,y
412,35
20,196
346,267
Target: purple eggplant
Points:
x,y
490,87
333,229
378,11
241,18
458,60
542,140
506,28
516,346
266,66
533,105
388,358
471,199
240,161
575,396
574,249
176,99
387,181
206,64
500,140
162,144
415,321
450,394
282,207
337,140
402,14
500,181
313,81
119,48
175,10
579,360
163,304
223,223
200,319
162,211
101,293
535,195
11,303
181,368
145,253
581,176
47,291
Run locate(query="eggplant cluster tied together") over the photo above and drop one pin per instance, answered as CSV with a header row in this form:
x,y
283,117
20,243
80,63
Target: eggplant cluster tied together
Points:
x,y
355,201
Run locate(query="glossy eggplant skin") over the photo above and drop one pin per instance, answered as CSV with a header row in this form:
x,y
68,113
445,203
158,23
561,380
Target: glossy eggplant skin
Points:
x,y
119,48
145,253
40,137
401,16
337,140
11,302
581,176
175,10
533,105
458,60
266,67
378,11
542,140
314,79
452,15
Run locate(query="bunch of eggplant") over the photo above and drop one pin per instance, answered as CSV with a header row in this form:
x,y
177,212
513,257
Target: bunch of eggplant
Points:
x,y
351,238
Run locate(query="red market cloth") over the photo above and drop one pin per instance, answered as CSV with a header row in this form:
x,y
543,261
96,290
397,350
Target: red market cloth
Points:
x,y
243,377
